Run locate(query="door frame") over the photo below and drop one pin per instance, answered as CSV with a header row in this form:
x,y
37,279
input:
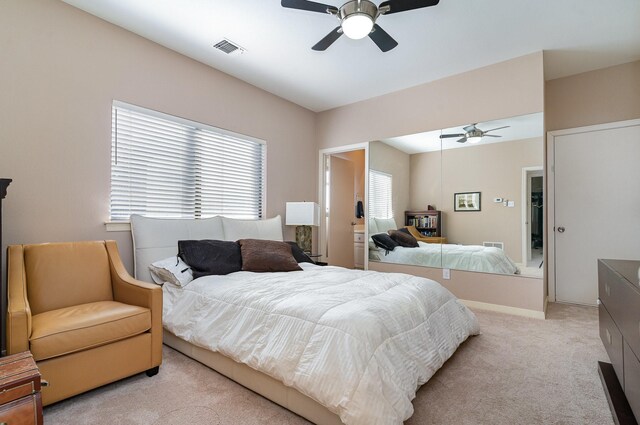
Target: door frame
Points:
x,y
527,174
550,187
322,229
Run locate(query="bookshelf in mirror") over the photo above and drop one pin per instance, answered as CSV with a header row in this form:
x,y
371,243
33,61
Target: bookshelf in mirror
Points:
x,y
427,222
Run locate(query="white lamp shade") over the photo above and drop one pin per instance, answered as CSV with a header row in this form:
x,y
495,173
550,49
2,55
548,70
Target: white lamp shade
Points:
x,y
302,214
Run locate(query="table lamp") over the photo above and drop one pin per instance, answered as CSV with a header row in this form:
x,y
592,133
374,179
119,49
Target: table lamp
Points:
x,y
303,215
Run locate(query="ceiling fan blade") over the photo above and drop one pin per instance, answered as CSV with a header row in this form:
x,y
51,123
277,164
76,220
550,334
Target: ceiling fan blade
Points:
x,y
383,40
396,6
328,40
497,128
463,140
446,136
311,6
490,135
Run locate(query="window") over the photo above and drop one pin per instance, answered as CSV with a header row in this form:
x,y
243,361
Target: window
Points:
x,y
380,200
164,166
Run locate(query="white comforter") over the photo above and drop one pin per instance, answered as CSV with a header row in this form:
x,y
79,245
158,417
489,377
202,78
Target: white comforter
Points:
x,y
358,342
460,257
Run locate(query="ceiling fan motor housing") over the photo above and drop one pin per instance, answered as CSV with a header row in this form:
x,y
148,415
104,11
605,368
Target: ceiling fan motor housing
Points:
x,y
364,7
358,9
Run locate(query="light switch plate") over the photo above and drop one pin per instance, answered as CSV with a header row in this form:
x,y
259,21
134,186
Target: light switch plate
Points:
x,y
446,274
497,200
511,204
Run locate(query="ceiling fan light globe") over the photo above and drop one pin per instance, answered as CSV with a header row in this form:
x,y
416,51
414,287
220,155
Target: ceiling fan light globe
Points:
x,y
474,139
357,26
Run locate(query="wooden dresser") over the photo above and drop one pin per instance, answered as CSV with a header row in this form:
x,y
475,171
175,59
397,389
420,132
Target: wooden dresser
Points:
x,y
20,398
619,313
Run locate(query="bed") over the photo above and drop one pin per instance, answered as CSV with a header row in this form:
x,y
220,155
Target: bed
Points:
x,y
475,258
331,344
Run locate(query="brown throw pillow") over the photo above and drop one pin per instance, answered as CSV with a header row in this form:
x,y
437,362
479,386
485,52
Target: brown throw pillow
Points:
x,y
403,239
267,256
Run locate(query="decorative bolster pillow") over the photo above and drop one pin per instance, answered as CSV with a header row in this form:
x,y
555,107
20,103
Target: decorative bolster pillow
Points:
x,y
403,238
384,241
210,257
172,270
259,255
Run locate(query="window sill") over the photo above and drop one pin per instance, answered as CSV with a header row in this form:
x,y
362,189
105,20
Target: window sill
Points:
x,y
117,226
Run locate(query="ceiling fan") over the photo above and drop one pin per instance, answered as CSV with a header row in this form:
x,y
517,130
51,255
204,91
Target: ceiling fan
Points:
x,y
358,19
473,134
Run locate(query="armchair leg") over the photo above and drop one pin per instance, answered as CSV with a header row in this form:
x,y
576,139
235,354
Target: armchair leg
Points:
x,y
152,371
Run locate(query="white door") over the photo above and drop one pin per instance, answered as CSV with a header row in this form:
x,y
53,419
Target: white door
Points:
x,y
341,213
597,206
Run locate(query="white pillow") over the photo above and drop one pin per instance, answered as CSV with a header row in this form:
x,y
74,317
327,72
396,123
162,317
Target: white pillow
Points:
x,y
269,229
385,224
373,228
172,270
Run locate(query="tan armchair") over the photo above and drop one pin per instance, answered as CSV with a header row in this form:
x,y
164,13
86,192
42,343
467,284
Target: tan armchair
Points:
x,y
428,239
86,321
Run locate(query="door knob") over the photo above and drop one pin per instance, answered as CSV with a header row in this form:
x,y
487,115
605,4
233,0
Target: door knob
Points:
x,y
561,229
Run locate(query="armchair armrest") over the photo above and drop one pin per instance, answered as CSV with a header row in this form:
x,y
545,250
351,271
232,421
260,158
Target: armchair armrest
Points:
x,y
414,232
18,310
128,290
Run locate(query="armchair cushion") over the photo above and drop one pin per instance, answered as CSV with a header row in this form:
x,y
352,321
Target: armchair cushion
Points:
x,y
76,328
61,275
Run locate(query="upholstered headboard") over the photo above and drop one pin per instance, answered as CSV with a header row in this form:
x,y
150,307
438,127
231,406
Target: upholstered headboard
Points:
x,y
157,238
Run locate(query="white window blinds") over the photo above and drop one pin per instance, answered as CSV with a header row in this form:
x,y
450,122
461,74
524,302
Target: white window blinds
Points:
x,y
380,195
165,166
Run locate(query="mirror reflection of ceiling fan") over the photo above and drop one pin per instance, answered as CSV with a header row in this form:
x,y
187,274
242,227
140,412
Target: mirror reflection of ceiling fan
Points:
x,y
358,19
473,134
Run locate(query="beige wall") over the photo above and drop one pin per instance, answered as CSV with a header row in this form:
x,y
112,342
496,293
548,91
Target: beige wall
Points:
x,y
60,71
390,160
493,169
506,89
596,97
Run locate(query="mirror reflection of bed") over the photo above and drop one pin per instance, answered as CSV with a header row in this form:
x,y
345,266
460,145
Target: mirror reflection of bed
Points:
x,y
503,175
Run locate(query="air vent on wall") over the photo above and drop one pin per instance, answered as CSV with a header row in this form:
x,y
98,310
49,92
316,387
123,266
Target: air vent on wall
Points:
x,y
494,244
229,47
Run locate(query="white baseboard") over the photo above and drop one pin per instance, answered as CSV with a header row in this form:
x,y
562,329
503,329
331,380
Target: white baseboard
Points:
x,y
507,309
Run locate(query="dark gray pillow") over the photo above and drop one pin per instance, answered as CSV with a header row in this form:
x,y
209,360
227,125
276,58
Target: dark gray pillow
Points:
x,y
299,254
210,257
267,256
403,238
384,241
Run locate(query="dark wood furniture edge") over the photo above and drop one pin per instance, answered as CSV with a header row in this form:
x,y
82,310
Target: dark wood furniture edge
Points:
x,y
4,183
620,409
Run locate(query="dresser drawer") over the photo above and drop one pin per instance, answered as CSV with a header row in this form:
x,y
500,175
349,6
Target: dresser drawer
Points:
x,y
358,237
612,340
621,301
24,411
632,380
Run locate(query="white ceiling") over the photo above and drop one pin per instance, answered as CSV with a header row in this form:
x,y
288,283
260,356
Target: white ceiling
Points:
x,y
520,128
434,42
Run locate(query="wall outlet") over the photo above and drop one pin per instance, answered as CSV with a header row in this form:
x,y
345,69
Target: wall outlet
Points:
x,y
446,274
497,200
511,204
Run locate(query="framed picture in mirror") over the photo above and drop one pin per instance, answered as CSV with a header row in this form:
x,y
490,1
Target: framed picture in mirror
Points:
x,y
466,201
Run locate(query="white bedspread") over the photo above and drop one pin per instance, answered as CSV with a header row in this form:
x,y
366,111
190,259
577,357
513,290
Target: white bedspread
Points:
x,y
358,342
460,257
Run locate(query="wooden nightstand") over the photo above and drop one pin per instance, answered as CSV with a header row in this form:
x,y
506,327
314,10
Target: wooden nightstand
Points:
x,y
20,399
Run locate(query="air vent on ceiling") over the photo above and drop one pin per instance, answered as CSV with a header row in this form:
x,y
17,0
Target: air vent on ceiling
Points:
x,y
494,244
229,47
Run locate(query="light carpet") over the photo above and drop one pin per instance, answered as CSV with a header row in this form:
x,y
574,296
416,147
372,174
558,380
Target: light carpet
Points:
x,y
518,371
